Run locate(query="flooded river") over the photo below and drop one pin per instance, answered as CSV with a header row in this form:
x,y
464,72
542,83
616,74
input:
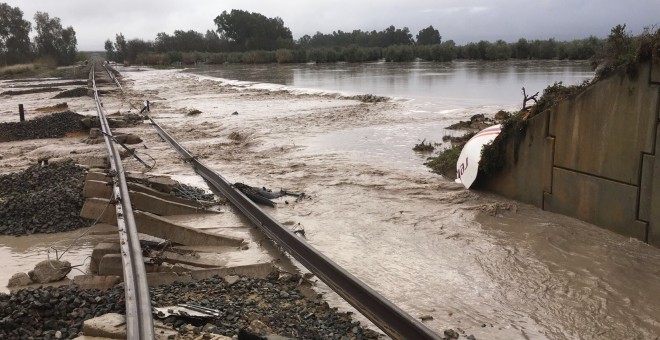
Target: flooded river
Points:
x,y
495,268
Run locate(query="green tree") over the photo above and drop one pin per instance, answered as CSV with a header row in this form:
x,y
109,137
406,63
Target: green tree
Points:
x,y
109,50
395,36
134,48
213,42
521,49
14,35
428,36
54,41
497,51
120,48
253,31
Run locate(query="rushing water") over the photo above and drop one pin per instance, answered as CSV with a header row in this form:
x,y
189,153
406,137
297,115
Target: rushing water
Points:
x,y
496,268
434,95
434,86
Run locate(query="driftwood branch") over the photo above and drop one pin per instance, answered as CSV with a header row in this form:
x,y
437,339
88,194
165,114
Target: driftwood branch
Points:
x,y
527,98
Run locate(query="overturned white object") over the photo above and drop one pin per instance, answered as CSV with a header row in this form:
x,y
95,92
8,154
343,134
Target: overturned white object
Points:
x,y
467,166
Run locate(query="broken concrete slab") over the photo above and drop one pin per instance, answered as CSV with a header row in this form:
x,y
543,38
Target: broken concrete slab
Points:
x,y
157,226
99,189
103,189
101,209
113,326
166,196
190,260
159,206
111,265
97,176
93,162
100,251
160,183
102,283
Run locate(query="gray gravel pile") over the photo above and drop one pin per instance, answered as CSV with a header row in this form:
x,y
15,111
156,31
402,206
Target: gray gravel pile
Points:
x,y
278,305
48,312
55,125
42,199
193,193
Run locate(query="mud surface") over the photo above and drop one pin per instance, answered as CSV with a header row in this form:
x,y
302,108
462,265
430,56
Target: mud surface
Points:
x,y
470,260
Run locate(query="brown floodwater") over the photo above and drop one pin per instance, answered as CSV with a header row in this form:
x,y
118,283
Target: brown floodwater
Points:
x,y
492,267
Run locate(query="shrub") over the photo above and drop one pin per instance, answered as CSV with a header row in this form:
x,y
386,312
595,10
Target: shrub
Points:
x,y
284,56
621,49
445,163
16,69
175,56
399,53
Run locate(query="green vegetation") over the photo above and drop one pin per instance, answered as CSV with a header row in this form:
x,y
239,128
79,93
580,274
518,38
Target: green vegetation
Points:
x,y
52,45
445,163
423,147
14,39
620,51
246,31
54,41
17,69
246,37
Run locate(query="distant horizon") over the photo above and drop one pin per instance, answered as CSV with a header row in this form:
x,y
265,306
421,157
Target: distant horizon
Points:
x,y
463,21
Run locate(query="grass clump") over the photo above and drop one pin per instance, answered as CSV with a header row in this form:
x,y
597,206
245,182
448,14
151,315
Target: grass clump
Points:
x,y
445,162
554,94
18,69
423,147
621,49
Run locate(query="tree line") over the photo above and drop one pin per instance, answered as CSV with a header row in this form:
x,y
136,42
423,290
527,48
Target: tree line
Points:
x,y
246,37
53,44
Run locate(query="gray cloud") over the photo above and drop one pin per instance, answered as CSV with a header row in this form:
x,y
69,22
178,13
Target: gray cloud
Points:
x,y
462,21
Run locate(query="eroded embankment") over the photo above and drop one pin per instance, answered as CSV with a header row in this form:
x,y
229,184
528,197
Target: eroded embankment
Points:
x,y
591,155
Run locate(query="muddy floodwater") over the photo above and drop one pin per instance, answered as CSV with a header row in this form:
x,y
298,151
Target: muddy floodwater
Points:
x,y
495,268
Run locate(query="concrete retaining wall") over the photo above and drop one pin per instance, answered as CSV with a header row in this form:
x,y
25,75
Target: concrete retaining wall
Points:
x,y
594,157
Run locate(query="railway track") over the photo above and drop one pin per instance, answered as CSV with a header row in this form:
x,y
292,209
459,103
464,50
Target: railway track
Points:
x,y
384,314
139,321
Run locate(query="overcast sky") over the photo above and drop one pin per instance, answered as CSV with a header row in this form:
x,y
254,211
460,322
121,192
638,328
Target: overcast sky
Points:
x,y
460,20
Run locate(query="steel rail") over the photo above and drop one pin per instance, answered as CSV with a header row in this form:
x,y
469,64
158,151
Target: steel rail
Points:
x,y
383,313
112,76
139,322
